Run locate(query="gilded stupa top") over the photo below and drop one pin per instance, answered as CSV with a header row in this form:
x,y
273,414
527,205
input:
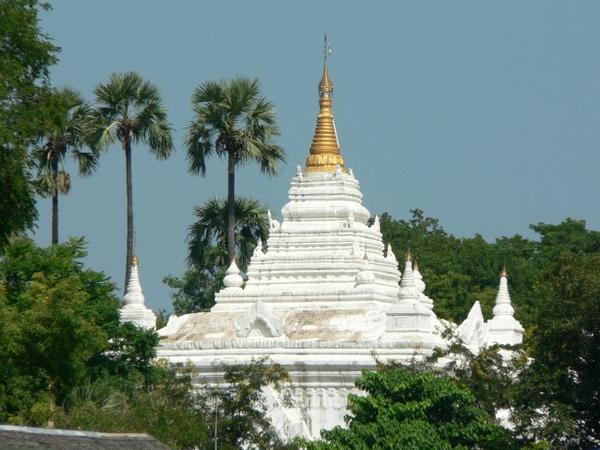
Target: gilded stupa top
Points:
x,y
325,148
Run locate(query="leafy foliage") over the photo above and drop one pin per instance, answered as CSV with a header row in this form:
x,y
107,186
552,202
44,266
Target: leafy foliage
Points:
x,y
56,324
560,401
25,57
207,252
130,111
408,409
209,231
174,412
459,271
167,408
241,409
66,132
195,290
231,118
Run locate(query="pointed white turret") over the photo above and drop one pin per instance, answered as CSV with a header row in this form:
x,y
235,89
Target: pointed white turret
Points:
x,y
408,287
389,255
233,279
472,331
134,306
258,250
504,328
410,320
420,284
365,275
376,225
418,277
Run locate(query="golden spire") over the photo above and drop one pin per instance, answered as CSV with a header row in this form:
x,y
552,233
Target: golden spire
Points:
x,y
325,147
134,260
504,273
408,255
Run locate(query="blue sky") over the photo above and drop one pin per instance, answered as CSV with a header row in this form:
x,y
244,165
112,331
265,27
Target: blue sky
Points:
x,y
483,114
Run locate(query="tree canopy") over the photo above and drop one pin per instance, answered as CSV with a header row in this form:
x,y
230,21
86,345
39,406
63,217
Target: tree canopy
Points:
x,y
57,322
207,251
26,54
408,409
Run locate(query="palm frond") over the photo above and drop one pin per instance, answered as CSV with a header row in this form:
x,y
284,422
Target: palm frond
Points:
x,y
87,162
131,108
231,116
43,184
63,182
210,229
199,144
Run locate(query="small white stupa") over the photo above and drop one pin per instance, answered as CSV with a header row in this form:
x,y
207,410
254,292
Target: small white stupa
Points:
x,y
134,307
426,301
503,328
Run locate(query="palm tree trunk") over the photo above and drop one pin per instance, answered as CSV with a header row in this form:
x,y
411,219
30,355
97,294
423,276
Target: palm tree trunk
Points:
x,y
54,201
230,206
129,253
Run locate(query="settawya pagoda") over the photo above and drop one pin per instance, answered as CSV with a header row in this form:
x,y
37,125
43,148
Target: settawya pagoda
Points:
x,y
323,297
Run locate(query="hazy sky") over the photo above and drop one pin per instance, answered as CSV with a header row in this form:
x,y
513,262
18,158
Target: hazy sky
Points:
x,y
483,114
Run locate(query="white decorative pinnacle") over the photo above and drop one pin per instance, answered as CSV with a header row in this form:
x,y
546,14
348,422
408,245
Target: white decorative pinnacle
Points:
x,y
233,279
390,256
365,275
133,293
376,225
418,278
503,328
503,304
350,218
258,250
134,309
273,224
408,288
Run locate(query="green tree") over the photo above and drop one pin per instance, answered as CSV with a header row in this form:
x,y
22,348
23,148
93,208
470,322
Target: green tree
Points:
x,y
209,229
207,251
460,271
233,121
173,411
195,290
168,408
65,133
240,409
560,388
130,111
59,326
26,54
408,409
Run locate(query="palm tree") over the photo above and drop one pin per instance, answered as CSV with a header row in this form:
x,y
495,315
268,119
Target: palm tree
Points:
x,y
233,121
209,231
65,132
130,111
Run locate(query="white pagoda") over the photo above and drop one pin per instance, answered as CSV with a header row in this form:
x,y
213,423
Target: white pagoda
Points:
x,y
323,297
134,307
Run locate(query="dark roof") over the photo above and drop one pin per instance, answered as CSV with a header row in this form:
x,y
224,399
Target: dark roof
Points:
x,y
13,437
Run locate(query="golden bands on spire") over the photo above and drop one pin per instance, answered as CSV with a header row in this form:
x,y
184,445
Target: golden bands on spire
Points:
x,y
325,148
